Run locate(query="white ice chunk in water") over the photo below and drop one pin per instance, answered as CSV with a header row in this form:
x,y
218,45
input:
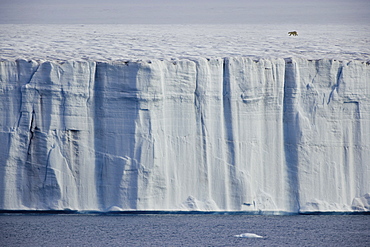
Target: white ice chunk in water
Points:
x,y
248,235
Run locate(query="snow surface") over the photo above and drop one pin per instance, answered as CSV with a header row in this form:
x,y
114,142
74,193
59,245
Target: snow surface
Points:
x,y
230,133
126,42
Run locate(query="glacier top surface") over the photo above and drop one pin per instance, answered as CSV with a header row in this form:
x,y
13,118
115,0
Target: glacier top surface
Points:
x,y
130,42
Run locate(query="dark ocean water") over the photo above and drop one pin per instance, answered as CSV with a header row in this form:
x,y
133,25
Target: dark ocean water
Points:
x,y
183,230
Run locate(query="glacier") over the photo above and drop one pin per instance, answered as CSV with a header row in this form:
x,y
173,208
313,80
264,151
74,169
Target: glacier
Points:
x,y
217,134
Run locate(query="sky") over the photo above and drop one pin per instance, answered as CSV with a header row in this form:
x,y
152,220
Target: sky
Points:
x,y
184,11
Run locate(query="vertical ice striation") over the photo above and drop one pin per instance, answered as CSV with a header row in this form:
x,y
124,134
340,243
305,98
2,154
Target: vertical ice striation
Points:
x,y
208,134
327,132
46,158
253,146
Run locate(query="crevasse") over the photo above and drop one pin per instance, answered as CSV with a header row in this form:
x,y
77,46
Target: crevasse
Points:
x,y
221,134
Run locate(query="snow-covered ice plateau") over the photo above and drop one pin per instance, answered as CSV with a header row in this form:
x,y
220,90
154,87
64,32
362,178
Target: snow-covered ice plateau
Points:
x,y
125,42
230,133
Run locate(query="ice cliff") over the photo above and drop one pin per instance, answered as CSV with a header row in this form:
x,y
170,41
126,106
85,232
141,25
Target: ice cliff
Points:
x,y
208,134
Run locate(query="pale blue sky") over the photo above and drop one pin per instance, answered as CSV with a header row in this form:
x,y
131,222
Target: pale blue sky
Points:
x,y
185,12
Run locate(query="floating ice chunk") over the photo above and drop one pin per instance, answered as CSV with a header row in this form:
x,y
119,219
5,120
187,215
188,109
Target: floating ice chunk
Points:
x,y
248,235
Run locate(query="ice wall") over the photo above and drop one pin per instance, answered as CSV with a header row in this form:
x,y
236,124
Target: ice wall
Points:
x,y
210,134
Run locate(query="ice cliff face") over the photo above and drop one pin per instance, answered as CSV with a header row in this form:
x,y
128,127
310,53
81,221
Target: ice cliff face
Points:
x,y
212,134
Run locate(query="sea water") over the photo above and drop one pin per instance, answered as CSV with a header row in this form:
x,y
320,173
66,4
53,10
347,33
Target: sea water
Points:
x,y
183,230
